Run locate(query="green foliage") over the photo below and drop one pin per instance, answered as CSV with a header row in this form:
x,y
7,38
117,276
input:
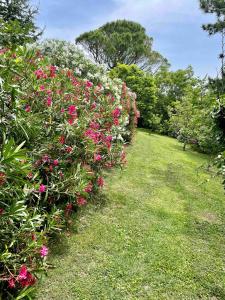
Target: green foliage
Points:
x,y
143,85
192,123
171,87
216,7
123,42
19,14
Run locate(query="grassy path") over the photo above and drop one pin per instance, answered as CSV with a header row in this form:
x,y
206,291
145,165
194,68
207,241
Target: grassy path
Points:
x,y
160,234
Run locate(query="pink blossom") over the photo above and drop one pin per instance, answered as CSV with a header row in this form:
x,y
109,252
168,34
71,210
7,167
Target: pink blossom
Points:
x,y
49,101
93,135
42,188
62,110
40,74
28,281
94,125
23,272
55,162
42,87
11,283
116,122
100,182
72,109
81,201
52,71
89,187
93,105
28,108
43,251
116,113
89,84
62,140
97,157
69,149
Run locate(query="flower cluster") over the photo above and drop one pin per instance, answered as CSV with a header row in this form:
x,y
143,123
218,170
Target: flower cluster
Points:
x,y
71,129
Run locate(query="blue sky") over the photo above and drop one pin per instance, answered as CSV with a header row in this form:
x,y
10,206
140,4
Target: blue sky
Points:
x,y
175,26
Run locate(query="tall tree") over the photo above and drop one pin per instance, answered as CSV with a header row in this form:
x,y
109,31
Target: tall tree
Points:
x,y
16,14
214,7
122,41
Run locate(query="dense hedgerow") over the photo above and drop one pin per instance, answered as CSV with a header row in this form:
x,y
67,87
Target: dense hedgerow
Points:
x,y
58,132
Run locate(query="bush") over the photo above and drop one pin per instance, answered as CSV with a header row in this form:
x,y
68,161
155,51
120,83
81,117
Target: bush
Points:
x,y
58,132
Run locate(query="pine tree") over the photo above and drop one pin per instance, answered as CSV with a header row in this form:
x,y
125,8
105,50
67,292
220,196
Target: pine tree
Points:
x,y
20,14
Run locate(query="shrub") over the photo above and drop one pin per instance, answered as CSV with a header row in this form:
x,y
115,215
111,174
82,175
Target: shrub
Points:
x,y
58,132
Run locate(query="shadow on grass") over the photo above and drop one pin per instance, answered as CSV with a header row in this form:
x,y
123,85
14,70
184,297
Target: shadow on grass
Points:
x,y
59,242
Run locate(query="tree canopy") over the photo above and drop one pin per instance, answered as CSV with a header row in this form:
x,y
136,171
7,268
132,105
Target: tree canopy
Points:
x,y
214,7
121,41
17,17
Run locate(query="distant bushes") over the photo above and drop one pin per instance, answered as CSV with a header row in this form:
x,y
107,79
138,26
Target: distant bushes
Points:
x,y
60,127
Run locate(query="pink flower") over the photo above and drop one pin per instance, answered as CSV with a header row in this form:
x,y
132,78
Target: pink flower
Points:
x,y
116,122
62,110
43,251
27,108
52,71
51,168
28,281
23,273
109,138
93,105
40,74
69,149
1,211
55,162
42,188
81,201
89,84
62,139
116,113
42,88
100,182
49,101
72,109
71,121
94,125
97,157
89,187
11,283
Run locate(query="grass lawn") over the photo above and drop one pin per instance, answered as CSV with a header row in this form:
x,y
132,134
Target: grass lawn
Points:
x,y
159,235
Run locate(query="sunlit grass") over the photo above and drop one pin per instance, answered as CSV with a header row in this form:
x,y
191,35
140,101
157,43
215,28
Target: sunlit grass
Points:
x,y
159,235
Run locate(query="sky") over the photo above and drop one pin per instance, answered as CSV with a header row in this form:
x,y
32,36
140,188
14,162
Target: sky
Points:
x,y
175,26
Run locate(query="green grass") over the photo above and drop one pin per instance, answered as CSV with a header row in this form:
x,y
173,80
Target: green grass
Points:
x,y
159,235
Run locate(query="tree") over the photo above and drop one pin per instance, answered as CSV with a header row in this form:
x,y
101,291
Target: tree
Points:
x,y
171,88
214,7
123,42
143,85
17,17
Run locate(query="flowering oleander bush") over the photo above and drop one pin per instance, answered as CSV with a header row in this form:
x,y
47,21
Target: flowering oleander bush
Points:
x,y
58,132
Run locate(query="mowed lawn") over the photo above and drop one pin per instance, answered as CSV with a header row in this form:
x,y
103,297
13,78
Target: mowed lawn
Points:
x,y
159,235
